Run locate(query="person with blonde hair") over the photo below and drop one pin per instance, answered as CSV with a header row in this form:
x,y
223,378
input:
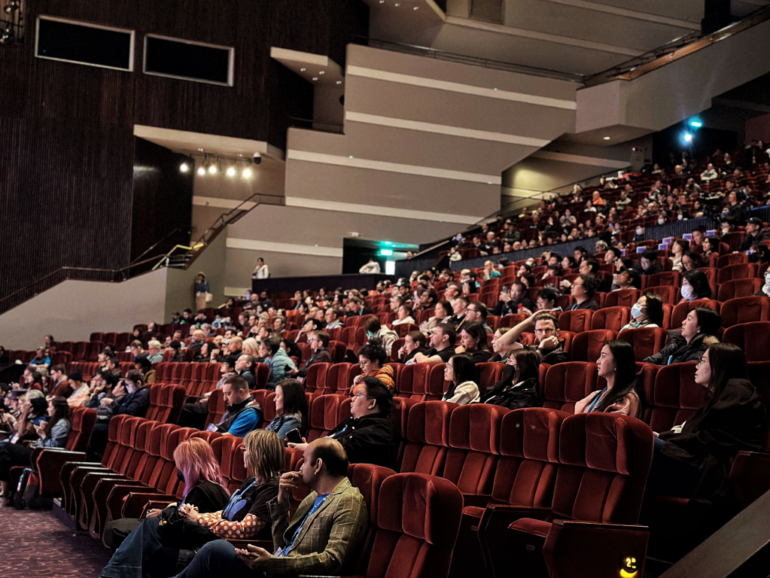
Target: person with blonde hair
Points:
x,y
155,543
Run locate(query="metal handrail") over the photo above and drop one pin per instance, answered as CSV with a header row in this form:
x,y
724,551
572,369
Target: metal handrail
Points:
x,y
156,244
675,50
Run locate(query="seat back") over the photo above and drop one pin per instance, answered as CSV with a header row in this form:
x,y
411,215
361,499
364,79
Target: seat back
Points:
x,y
316,377
471,459
418,519
436,384
605,459
576,321
487,374
674,396
683,309
668,293
588,345
323,416
340,376
83,421
665,279
624,297
646,341
567,383
413,381
427,437
739,271
744,310
752,337
612,318
529,457
739,288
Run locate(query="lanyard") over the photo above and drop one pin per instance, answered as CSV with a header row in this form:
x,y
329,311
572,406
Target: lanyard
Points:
x,y
596,400
318,503
235,499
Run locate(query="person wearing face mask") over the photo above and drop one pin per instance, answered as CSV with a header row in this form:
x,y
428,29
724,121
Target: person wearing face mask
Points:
x,y
518,386
638,235
646,312
617,365
375,330
694,459
695,285
698,330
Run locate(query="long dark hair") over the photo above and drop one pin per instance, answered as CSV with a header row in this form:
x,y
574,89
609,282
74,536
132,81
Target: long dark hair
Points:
x,y
447,306
727,361
61,410
529,364
625,377
294,400
477,331
464,369
700,284
654,308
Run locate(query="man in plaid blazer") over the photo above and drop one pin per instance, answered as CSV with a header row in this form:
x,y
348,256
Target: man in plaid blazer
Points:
x,y
329,526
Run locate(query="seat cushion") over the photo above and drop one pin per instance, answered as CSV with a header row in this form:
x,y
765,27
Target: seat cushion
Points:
x,y
473,511
531,526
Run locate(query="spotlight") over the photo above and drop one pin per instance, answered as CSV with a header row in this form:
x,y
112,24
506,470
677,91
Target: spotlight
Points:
x,y
231,172
184,168
696,123
247,173
214,168
687,137
202,171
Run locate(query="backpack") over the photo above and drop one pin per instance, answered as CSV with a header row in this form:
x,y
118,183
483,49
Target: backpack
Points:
x,y
27,494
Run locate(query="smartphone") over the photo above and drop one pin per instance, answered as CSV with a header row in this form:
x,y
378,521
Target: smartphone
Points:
x,y
504,289
294,436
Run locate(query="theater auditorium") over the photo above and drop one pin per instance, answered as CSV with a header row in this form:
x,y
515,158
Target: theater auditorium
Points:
x,y
385,288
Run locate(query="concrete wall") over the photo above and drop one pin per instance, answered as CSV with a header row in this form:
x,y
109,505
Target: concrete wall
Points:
x,y
72,310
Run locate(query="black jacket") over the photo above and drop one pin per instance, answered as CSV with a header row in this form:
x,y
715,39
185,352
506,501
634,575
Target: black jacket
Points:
x,y
716,432
511,395
372,439
557,355
134,404
511,307
678,350
750,240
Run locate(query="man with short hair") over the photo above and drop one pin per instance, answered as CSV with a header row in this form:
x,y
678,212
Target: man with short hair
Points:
x,y
154,353
395,302
755,234
244,367
442,339
508,302
198,340
136,348
331,318
451,293
279,325
546,329
356,306
242,414
234,348
458,309
587,267
325,536
319,343
59,386
477,312
427,300
648,263
583,290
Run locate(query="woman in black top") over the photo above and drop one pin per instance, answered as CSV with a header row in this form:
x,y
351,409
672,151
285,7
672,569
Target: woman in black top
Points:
x,y
519,385
189,526
694,459
414,342
473,338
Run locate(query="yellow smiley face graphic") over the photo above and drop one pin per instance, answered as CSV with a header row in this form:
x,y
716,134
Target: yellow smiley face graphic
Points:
x,y
628,568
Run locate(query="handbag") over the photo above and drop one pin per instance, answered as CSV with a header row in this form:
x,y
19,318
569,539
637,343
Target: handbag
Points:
x,y
176,531
209,297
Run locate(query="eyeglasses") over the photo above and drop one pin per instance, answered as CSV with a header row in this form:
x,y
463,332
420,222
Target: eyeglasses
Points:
x,y
361,395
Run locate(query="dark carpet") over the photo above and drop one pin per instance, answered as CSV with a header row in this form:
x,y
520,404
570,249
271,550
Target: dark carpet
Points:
x,y
37,544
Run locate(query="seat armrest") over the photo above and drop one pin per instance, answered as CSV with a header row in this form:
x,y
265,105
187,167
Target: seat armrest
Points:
x,y
749,477
135,503
49,465
492,528
608,546
115,493
475,500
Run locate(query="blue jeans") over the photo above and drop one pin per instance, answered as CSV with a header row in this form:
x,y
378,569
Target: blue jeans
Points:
x,y
217,558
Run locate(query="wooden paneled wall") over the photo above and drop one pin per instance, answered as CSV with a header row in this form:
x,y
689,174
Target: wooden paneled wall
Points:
x,y
66,130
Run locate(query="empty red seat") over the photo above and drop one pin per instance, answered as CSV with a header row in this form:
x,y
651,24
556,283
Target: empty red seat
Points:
x,y
668,293
413,381
487,374
567,383
673,397
624,297
604,461
588,345
740,271
646,341
427,438
418,517
752,337
576,321
315,380
744,310
340,376
732,259
323,416
665,279
613,318
747,287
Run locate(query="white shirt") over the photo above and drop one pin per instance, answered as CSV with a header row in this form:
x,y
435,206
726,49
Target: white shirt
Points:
x,y
373,267
262,272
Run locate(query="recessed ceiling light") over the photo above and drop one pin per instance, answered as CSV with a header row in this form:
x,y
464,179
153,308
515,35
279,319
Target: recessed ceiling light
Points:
x,y
397,4
494,89
382,1
315,78
302,69
416,7
339,82
351,156
606,138
200,150
322,72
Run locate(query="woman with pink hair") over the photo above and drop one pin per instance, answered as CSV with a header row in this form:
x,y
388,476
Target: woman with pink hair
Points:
x,y
158,542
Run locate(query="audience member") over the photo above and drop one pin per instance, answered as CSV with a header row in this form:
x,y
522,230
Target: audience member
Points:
x,y
473,340
375,330
695,285
280,364
460,373
290,407
617,365
372,358
414,343
646,312
442,340
513,300
518,386
546,329
583,290
242,413
700,324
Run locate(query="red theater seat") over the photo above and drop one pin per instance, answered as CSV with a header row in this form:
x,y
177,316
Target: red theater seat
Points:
x,y
646,341
624,297
604,460
427,438
568,383
323,416
752,337
668,293
612,318
683,309
418,517
673,398
576,321
745,310
739,288
741,271
665,279
588,345
413,381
